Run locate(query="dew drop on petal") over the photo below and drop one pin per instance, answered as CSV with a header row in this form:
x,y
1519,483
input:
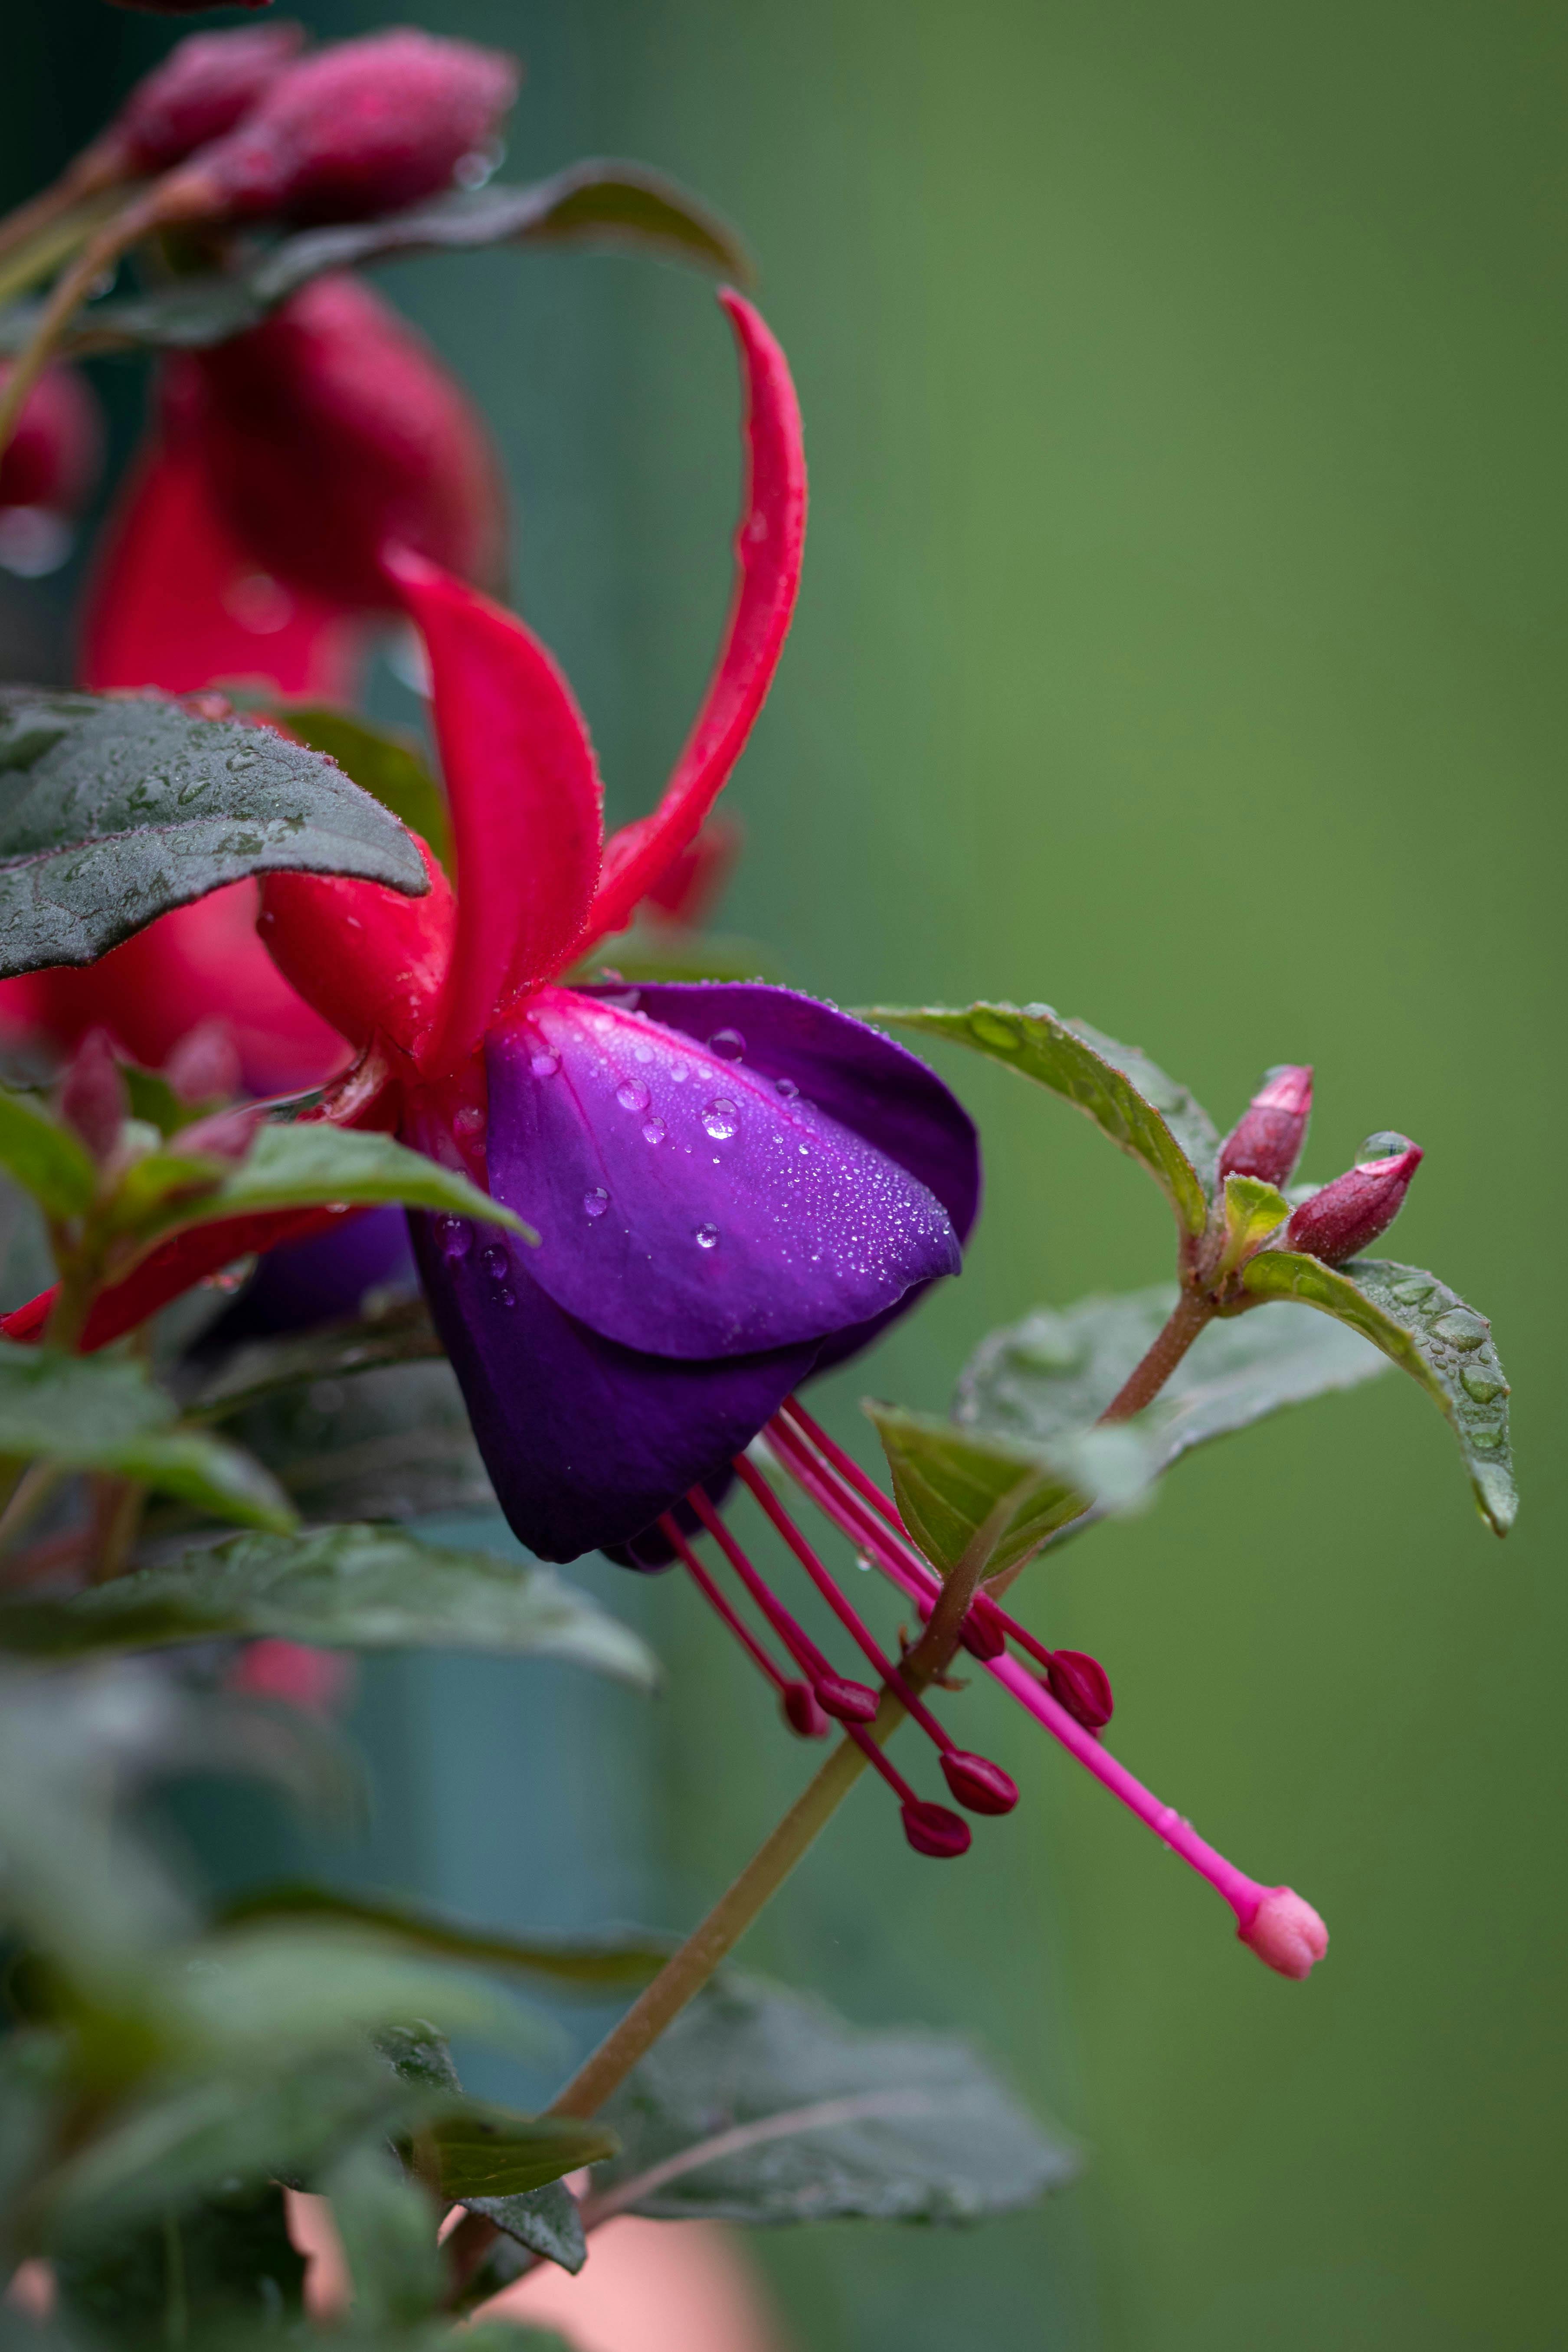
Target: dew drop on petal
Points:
x,y
455,1236
728,1044
678,1073
470,1120
544,1065
721,1118
654,1131
642,1054
708,1236
496,1263
596,1202
633,1095
787,1087
506,1298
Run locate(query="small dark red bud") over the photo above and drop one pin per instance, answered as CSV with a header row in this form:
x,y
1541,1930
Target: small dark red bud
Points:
x,y
849,1702
52,459
364,127
978,1783
801,1711
931,1829
206,84
92,1098
1346,1216
1081,1685
205,1066
1267,1140
983,1636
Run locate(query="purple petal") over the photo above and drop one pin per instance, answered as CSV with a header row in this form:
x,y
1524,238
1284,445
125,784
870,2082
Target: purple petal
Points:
x,y
688,1205
586,1441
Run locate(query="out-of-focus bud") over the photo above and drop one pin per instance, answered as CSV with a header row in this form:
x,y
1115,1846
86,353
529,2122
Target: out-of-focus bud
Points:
x,y
802,1713
206,84
1267,1140
364,127
91,1098
849,1702
205,1067
1351,1211
979,1784
983,1636
1285,1933
1081,1685
932,1830
315,1681
226,1135
331,428
47,471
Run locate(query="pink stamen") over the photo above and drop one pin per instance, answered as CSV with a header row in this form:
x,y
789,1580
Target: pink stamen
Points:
x,y
851,1702
801,1711
929,1828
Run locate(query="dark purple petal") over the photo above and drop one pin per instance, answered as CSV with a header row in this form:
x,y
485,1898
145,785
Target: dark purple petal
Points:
x,y
688,1205
320,1280
586,1441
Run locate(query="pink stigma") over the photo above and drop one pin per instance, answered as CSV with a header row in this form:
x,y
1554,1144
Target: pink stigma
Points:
x,y
1285,1933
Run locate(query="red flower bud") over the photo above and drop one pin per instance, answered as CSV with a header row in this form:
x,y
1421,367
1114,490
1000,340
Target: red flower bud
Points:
x,y
52,460
331,428
1081,1685
366,126
983,1636
802,1713
205,84
1348,1213
931,1829
92,1098
978,1783
226,1135
1267,1140
849,1702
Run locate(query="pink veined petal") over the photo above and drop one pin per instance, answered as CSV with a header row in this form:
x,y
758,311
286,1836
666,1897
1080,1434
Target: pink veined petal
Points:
x,y
525,797
768,549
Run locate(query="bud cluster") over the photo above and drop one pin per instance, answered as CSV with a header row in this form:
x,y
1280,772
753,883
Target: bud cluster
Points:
x,y
1341,1218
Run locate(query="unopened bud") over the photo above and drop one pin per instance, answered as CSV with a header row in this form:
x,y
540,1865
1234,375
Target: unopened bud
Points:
x,y
1351,1211
206,84
1267,1140
92,1096
364,127
977,1783
983,1636
848,1702
226,1135
801,1712
205,1066
52,459
1285,1933
932,1830
1081,1685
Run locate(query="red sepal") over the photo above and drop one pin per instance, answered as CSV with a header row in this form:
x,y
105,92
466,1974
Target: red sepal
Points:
x,y
365,958
524,793
768,549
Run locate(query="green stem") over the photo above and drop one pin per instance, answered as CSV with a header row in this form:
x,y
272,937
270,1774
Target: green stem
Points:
x,y
1192,1313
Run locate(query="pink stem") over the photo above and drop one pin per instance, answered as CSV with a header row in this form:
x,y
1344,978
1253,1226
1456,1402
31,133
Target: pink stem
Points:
x,y
795,1637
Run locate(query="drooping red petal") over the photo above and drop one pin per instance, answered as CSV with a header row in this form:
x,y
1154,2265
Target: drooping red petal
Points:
x,y
524,793
768,549
365,958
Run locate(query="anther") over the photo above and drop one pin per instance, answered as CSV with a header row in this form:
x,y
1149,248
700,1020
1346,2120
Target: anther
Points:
x,y
929,1828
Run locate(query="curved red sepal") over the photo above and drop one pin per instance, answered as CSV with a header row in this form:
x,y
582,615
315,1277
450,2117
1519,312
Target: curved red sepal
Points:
x,y
364,958
525,797
768,549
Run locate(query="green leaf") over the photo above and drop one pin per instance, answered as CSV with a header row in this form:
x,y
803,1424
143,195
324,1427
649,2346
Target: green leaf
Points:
x,y
44,1158
417,2052
382,761
224,2263
1151,1118
102,1412
1429,1332
951,1484
1253,1210
622,207
388,2238
397,1443
604,1966
547,2221
759,2105
487,2152
115,809
358,1588
1038,1381
261,1369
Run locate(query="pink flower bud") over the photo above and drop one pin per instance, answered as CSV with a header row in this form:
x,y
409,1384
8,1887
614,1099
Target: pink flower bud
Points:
x,y
227,1135
314,1681
1351,1211
1081,1685
205,1067
205,84
932,1830
977,1783
331,428
53,457
92,1098
983,1636
1287,1933
1267,1140
801,1711
849,1702
364,127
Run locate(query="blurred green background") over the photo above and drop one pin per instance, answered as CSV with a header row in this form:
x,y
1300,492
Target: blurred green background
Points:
x,y
1181,643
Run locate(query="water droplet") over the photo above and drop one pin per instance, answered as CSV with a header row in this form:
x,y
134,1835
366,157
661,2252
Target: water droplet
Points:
x,y
1481,1384
496,1263
678,1073
801,1149
506,1298
455,1236
654,1131
642,1054
728,1044
707,1237
544,1065
721,1118
238,761
596,1202
787,1087
1461,1328
1411,1294
633,1095
470,1121
992,1030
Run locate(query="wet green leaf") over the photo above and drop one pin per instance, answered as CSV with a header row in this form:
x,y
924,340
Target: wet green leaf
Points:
x,y
759,2105
547,2221
115,809
1429,1332
597,1967
395,1443
383,760
1253,1210
1127,1097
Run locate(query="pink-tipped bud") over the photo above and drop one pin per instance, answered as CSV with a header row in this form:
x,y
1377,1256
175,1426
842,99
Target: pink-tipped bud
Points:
x,y
932,1830
366,126
333,428
797,1702
1267,1140
1081,1685
92,1098
983,1636
226,1135
206,84
1285,1933
1350,1212
848,1702
977,1783
52,459
317,1682
205,1066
